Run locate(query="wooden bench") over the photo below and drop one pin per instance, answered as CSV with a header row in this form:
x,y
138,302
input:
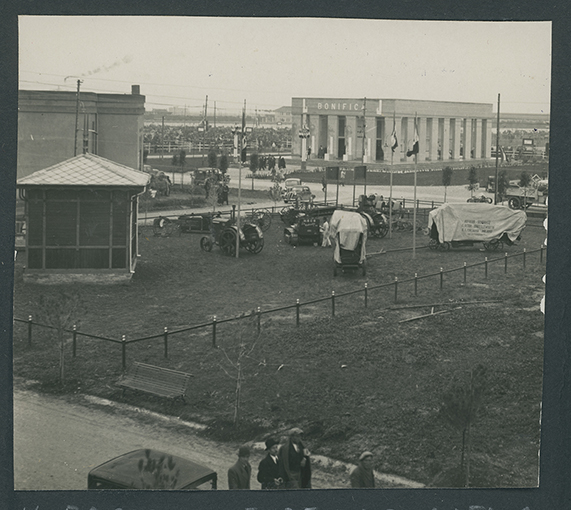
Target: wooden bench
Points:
x,y
159,381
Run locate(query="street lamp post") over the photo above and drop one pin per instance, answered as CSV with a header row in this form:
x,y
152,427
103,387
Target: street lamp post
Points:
x,y
304,135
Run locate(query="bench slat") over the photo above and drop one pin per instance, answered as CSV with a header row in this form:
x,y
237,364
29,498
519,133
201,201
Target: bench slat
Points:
x,y
156,380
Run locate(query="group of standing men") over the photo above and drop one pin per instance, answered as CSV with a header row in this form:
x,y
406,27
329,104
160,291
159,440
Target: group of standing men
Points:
x,y
284,467
288,466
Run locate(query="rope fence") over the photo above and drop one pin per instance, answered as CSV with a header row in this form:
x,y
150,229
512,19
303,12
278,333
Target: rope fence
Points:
x,y
396,285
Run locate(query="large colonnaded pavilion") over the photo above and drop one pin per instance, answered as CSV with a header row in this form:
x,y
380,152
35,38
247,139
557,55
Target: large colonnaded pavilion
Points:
x,y
445,129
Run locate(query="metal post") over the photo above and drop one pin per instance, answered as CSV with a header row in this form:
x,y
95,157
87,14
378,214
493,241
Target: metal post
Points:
x,y
366,296
214,331
259,312
74,341
396,288
333,303
166,341
30,323
464,273
486,267
124,351
416,284
441,278
524,250
505,262
297,312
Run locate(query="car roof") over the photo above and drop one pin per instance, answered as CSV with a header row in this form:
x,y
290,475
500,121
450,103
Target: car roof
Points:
x,y
123,471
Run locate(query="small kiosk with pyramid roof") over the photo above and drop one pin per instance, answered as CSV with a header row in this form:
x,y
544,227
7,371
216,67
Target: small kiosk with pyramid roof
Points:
x,y
81,217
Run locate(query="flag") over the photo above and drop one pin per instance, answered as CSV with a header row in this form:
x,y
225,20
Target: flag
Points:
x,y
394,141
414,148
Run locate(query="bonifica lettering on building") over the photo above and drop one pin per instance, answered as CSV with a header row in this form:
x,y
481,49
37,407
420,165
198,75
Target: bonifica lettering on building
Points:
x,y
340,106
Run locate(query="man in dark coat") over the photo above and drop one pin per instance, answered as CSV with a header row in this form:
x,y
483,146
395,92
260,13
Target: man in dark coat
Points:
x,y
239,473
268,470
294,464
363,476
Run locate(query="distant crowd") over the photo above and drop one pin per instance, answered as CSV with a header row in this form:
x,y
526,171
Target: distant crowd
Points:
x,y
288,466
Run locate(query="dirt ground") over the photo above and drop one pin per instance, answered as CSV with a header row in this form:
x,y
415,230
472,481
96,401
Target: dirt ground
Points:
x,y
359,379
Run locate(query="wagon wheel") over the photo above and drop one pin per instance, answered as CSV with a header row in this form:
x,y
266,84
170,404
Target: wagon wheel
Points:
x,y
494,245
514,203
255,245
227,242
205,244
433,244
382,230
379,228
445,246
163,227
264,219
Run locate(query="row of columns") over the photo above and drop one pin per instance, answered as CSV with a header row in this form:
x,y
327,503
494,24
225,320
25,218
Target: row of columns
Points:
x,y
446,135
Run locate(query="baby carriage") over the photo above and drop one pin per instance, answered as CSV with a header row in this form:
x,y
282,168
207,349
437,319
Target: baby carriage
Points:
x,y
349,229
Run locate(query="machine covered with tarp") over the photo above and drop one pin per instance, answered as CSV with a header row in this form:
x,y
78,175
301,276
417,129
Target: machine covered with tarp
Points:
x,y
466,224
349,229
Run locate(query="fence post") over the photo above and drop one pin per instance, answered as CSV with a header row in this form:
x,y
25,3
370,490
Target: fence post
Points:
x,y
416,284
366,296
30,323
74,340
333,303
166,339
259,312
524,250
214,331
297,312
396,288
541,253
124,351
441,278
505,262
465,268
486,267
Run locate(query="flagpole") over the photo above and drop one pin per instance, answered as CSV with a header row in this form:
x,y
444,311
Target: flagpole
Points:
x,y
414,210
240,181
391,182
497,152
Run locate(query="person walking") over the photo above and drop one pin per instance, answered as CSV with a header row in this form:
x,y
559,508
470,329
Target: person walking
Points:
x,y
325,238
268,469
239,474
294,463
362,475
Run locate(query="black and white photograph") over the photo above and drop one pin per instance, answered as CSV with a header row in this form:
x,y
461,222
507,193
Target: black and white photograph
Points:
x,y
279,254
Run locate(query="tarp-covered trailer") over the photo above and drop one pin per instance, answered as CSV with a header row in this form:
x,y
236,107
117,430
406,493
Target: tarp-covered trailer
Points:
x,y
452,225
349,229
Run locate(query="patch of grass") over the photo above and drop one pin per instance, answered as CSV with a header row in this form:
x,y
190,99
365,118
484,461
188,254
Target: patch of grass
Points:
x,y
358,380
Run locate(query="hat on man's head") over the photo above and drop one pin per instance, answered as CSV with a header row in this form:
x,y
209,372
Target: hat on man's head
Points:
x,y
364,455
295,431
271,442
244,451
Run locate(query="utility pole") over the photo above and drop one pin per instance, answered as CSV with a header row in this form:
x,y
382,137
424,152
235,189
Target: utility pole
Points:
x,y
214,113
206,114
497,152
76,118
364,127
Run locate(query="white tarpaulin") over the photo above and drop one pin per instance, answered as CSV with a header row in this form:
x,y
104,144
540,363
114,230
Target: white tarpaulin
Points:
x,y
476,222
350,225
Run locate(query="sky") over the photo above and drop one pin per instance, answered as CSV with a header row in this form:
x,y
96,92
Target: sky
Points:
x,y
178,61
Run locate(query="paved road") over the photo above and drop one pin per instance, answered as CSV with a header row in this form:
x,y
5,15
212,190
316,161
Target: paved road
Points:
x,y
57,441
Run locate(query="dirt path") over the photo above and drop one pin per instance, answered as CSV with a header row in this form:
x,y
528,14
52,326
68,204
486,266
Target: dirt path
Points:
x,y
84,432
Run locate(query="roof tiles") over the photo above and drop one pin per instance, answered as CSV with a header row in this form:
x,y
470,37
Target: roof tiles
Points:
x,y
86,170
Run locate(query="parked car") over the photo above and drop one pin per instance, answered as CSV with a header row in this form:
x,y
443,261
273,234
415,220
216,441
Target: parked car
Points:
x,y
303,192
151,469
289,184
